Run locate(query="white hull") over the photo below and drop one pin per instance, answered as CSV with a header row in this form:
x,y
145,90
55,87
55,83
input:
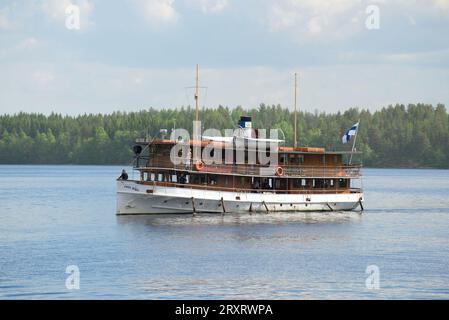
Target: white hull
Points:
x,y
133,198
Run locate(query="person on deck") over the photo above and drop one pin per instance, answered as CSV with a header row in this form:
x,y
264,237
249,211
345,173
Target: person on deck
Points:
x,y
123,176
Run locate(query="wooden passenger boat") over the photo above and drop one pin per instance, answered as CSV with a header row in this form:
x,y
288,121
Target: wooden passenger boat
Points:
x,y
301,178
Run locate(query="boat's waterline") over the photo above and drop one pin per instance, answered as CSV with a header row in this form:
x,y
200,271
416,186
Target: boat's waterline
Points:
x,y
136,198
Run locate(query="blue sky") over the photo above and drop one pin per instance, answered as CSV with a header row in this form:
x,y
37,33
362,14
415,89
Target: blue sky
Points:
x,y
135,54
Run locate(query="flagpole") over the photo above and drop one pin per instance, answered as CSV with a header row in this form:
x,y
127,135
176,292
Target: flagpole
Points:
x,y
353,144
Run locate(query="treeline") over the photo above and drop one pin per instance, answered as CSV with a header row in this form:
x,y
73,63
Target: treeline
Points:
x,y
395,136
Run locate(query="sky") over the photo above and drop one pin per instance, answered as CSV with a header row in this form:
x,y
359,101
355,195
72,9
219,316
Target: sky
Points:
x,y
98,56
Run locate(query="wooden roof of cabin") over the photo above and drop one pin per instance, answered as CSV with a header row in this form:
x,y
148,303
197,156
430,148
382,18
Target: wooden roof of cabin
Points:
x,y
202,143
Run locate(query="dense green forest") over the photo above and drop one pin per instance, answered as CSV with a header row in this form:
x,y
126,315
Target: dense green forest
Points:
x,y
395,136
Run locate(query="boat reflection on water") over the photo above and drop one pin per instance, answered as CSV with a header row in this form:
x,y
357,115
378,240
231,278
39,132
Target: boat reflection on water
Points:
x,y
278,218
260,256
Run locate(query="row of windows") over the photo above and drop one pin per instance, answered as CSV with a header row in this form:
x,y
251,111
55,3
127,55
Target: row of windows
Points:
x,y
299,159
250,182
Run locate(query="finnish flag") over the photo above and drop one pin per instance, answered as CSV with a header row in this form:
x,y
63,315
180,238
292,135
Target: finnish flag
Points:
x,y
351,132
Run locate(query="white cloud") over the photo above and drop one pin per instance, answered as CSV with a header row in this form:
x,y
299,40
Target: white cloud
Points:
x,y
22,47
158,12
27,43
14,13
210,6
336,18
441,4
5,22
323,20
425,57
43,78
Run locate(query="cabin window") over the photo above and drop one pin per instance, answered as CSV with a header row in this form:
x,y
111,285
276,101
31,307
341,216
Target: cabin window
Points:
x,y
291,159
332,182
297,183
301,158
277,184
174,178
321,183
283,159
335,159
212,180
323,159
303,182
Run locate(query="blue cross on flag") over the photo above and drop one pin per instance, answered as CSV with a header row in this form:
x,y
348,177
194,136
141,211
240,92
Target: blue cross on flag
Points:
x,y
351,132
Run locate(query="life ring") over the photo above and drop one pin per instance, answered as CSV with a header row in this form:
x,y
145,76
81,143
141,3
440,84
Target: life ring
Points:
x,y
341,173
280,171
199,166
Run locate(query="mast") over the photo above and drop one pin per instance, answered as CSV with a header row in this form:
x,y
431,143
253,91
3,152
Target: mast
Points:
x,y
296,85
197,91
196,124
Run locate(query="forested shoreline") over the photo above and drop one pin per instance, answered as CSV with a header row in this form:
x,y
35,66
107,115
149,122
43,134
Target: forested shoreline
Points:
x,y
414,135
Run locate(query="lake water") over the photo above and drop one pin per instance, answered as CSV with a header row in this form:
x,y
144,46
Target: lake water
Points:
x,y
55,216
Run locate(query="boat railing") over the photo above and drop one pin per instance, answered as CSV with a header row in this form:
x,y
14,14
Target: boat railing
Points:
x,y
294,171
